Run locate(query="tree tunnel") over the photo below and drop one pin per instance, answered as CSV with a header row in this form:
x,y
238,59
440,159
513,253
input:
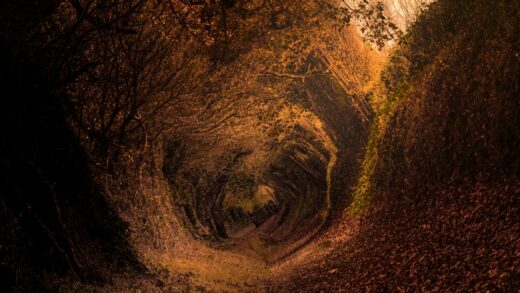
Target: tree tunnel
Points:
x,y
275,179
259,146
284,201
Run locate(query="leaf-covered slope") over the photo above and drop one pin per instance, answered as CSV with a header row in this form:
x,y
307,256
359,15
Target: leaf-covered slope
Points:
x,y
460,120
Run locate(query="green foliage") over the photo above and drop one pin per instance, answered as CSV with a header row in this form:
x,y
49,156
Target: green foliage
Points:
x,y
362,190
362,193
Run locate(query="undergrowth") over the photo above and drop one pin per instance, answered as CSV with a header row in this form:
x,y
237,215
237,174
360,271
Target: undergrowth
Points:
x,y
362,191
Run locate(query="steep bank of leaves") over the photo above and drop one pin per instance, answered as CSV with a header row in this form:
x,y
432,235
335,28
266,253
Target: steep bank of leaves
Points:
x,y
459,121
450,99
